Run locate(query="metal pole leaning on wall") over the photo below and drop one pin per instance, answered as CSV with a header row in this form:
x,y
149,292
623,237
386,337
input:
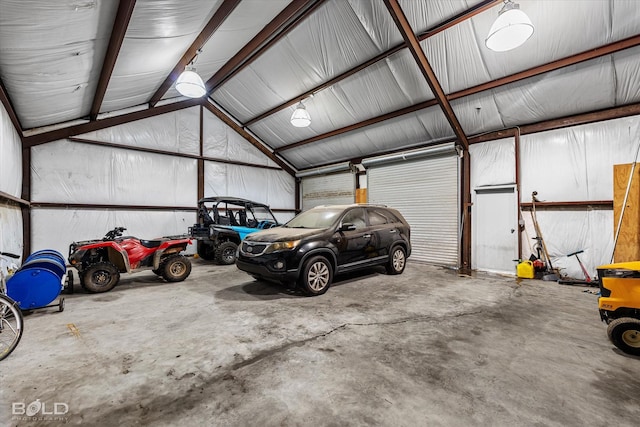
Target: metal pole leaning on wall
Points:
x,y
624,202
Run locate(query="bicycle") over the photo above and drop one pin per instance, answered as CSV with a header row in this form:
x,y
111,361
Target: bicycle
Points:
x,y
11,320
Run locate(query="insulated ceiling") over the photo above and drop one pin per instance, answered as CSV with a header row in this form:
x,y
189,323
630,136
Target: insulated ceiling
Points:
x,y
70,64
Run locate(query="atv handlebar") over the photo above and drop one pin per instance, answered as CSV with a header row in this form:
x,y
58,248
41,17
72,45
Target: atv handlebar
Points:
x,y
112,234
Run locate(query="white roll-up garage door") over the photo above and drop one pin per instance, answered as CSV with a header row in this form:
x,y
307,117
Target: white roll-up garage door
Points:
x,y
426,192
332,189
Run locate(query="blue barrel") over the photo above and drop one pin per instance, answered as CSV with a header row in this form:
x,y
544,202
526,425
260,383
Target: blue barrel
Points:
x,y
46,253
39,281
48,262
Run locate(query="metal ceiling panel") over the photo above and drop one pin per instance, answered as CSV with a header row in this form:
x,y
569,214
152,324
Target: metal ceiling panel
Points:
x,y
50,56
402,132
247,19
386,86
562,29
571,90
423,15
159,33
332,40
627,75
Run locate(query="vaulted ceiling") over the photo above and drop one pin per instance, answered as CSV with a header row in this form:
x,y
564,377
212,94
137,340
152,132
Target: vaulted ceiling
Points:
x,y
376,76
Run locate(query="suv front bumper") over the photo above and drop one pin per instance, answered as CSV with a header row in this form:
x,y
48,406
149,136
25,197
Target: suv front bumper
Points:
x,y
272,266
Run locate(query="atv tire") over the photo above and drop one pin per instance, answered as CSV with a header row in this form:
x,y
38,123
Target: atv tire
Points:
x,y
226,253
100,277
175,268
206,251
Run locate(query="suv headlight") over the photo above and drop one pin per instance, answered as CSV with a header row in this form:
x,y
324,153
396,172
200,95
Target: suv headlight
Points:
x,y
281,246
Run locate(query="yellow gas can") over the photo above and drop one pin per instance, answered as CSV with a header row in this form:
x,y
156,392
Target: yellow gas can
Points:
x,y
525,270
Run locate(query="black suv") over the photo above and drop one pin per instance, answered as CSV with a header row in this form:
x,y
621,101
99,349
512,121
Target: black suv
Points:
x,y
327,240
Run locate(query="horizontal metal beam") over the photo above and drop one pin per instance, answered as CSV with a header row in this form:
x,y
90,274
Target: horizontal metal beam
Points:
x,y
169,153
48,205
562,122
54,135
608,204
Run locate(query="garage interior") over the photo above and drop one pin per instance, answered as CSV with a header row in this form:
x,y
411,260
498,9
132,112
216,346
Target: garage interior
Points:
x,y
406,106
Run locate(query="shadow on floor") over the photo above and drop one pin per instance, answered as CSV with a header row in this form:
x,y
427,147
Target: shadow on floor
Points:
x,y
265,291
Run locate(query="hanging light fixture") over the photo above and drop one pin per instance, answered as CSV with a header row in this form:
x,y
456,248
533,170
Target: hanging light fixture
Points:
x,y
190,83
300,117
511,28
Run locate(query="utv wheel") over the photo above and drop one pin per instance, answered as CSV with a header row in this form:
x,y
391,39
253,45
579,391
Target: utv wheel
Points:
x,y
100,277
176,268
316,276
624,333
397,261
226,253
206,251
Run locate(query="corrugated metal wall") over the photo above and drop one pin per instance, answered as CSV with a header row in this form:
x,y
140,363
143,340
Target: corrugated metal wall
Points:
x,y
425,191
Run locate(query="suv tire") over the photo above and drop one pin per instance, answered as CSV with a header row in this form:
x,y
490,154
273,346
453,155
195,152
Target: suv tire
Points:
x,y
226,253
317,275
397,261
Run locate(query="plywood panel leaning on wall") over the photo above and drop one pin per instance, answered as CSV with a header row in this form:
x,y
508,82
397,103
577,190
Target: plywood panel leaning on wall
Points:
x,y
628,245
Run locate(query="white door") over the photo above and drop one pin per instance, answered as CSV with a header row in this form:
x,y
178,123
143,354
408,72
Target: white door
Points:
x,y
495,230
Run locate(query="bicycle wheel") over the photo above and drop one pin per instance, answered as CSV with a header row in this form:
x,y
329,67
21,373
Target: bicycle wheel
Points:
x,y
11,324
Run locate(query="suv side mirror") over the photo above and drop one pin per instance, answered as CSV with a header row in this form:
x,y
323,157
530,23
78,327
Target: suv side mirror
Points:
x,y
347,226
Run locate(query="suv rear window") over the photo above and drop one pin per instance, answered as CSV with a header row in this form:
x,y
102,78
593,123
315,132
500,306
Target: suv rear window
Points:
x,y
381,216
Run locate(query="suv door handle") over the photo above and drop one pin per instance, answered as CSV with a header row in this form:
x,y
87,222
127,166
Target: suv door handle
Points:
x,y
366,236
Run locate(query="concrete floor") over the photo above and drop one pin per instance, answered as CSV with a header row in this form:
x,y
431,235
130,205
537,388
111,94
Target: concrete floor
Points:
x,y
429,347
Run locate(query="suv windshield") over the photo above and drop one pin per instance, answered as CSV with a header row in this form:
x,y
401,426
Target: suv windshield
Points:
x,y
315,218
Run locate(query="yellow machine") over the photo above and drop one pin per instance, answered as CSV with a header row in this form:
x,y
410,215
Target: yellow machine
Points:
x,y
619,304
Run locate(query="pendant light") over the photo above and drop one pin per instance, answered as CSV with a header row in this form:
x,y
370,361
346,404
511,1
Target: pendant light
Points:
x,y
511,28
300,117
190,83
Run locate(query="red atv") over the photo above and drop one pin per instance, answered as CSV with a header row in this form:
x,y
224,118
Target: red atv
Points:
x,y
100,262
